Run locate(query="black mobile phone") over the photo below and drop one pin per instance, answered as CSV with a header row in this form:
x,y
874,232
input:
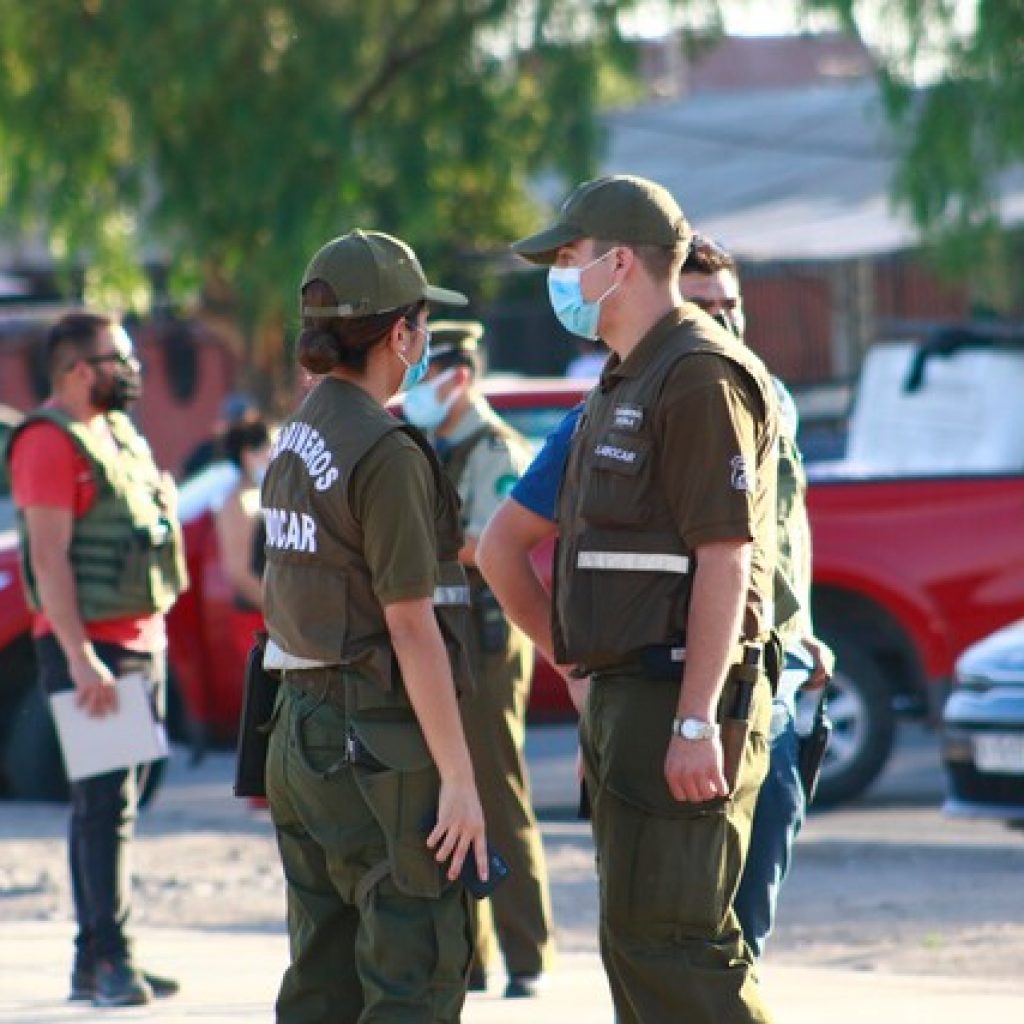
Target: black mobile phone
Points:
x,y
497,869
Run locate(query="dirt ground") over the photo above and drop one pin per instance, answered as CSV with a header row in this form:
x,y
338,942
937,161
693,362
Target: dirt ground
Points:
x,y
889,885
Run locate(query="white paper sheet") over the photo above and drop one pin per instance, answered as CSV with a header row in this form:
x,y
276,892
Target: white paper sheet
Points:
x,y
129,736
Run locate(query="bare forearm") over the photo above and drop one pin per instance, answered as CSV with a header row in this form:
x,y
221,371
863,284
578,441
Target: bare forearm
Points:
x,y
713,629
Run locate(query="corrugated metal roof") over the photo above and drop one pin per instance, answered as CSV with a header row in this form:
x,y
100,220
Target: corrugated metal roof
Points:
x,y
781,174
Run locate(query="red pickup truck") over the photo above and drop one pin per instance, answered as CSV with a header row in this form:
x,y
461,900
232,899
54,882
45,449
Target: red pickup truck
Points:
x,y
919,551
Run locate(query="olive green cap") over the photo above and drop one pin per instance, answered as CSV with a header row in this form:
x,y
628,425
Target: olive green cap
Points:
x,y
371,272
448,337
616,208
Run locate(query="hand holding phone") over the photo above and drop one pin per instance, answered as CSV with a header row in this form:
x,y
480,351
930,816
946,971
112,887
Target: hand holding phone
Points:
x,y
497,869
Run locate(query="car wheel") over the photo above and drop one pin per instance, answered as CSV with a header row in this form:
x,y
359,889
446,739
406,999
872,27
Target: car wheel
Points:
x,y
863,725
33,766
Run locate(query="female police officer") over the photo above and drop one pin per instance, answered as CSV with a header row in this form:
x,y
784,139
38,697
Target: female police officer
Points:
x,y
369,779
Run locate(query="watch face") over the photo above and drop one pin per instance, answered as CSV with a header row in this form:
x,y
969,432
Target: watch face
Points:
x,y
695,730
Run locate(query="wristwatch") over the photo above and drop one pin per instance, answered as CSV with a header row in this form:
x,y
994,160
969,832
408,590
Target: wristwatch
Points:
x,y
694,729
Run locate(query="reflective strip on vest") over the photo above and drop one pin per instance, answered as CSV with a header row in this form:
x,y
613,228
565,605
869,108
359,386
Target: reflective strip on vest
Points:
x,y
629,561
448,596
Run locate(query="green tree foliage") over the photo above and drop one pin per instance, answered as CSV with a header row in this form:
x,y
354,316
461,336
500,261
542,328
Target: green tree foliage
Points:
x,y
228,139
955,91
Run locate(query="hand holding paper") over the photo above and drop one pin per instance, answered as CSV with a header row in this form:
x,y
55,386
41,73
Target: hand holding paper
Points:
x,y
127,736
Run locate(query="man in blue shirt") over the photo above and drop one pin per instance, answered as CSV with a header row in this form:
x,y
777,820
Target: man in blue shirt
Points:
x,y
528,517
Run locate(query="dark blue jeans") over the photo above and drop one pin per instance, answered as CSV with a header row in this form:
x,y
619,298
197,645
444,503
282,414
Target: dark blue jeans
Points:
x,y
777,820
103,811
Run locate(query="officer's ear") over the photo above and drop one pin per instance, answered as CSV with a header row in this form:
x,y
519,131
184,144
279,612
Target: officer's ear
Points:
x,y
623,259
400,338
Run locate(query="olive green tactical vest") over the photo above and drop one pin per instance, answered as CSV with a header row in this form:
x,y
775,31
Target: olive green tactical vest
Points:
x,y
126,551
319,602
793,570
623,574
456,460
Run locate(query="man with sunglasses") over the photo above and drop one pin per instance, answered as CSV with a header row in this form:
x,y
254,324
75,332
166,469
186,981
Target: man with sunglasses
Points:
x,y
710,280
102,562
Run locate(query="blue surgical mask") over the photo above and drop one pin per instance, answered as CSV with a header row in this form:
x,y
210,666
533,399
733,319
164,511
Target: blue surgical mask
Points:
x,y
424,408
574,313
415,372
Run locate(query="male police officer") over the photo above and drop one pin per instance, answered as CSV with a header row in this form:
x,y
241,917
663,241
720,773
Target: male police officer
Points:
x,y
709,279
483,458
664,570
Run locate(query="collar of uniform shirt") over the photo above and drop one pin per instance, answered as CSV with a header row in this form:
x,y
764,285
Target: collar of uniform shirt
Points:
x,y
637,360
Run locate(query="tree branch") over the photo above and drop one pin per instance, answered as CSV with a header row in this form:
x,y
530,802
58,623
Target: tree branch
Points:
x,y
398,60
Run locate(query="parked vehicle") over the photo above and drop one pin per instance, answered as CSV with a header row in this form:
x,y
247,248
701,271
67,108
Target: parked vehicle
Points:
x,y
983,729
918,535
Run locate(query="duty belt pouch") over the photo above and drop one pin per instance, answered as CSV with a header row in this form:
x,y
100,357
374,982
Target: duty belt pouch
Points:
x,y
735,723
253,732
812,747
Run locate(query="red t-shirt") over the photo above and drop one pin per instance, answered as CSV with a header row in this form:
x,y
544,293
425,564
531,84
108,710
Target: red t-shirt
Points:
x,y
48,470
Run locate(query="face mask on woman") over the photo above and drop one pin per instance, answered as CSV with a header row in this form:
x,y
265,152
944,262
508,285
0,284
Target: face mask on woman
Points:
x,y
415,372
574,313
424,408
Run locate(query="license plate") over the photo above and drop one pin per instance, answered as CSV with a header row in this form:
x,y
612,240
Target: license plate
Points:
x,y
1000,752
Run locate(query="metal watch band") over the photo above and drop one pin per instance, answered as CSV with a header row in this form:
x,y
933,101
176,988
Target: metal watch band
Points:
x,y
694,729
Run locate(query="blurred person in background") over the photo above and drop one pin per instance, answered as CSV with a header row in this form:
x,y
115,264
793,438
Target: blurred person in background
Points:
x,y
239,520
710,280
483,458
102,562
236,409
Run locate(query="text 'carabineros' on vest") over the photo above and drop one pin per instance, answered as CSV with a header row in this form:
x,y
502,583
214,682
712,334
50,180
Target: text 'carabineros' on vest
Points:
x,y
308,444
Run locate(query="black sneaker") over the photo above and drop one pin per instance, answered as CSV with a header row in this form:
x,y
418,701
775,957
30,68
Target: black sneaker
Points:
x,y
117,983
83,984
523,986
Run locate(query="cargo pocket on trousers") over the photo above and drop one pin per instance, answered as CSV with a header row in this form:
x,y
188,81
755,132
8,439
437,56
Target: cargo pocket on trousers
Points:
x,y
665,877
403,803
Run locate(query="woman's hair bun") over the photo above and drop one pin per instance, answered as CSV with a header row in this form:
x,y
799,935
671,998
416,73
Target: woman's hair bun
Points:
x,y
318,350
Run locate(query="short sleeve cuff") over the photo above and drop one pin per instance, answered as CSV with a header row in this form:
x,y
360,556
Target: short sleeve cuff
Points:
x,y
739,530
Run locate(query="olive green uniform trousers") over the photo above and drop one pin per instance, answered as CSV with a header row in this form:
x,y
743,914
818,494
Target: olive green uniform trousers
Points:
x,y
376,932
668,871
517,917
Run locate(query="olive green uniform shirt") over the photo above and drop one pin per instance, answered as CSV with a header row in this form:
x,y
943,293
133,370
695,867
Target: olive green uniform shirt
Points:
x,y
393,496
492,468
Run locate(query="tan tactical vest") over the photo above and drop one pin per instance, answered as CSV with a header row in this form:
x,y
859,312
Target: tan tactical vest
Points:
x,y
319,603
126,551
622,572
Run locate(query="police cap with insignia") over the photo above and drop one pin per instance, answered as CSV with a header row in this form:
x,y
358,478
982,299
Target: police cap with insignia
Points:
x,y
456,343
371,272
618,208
